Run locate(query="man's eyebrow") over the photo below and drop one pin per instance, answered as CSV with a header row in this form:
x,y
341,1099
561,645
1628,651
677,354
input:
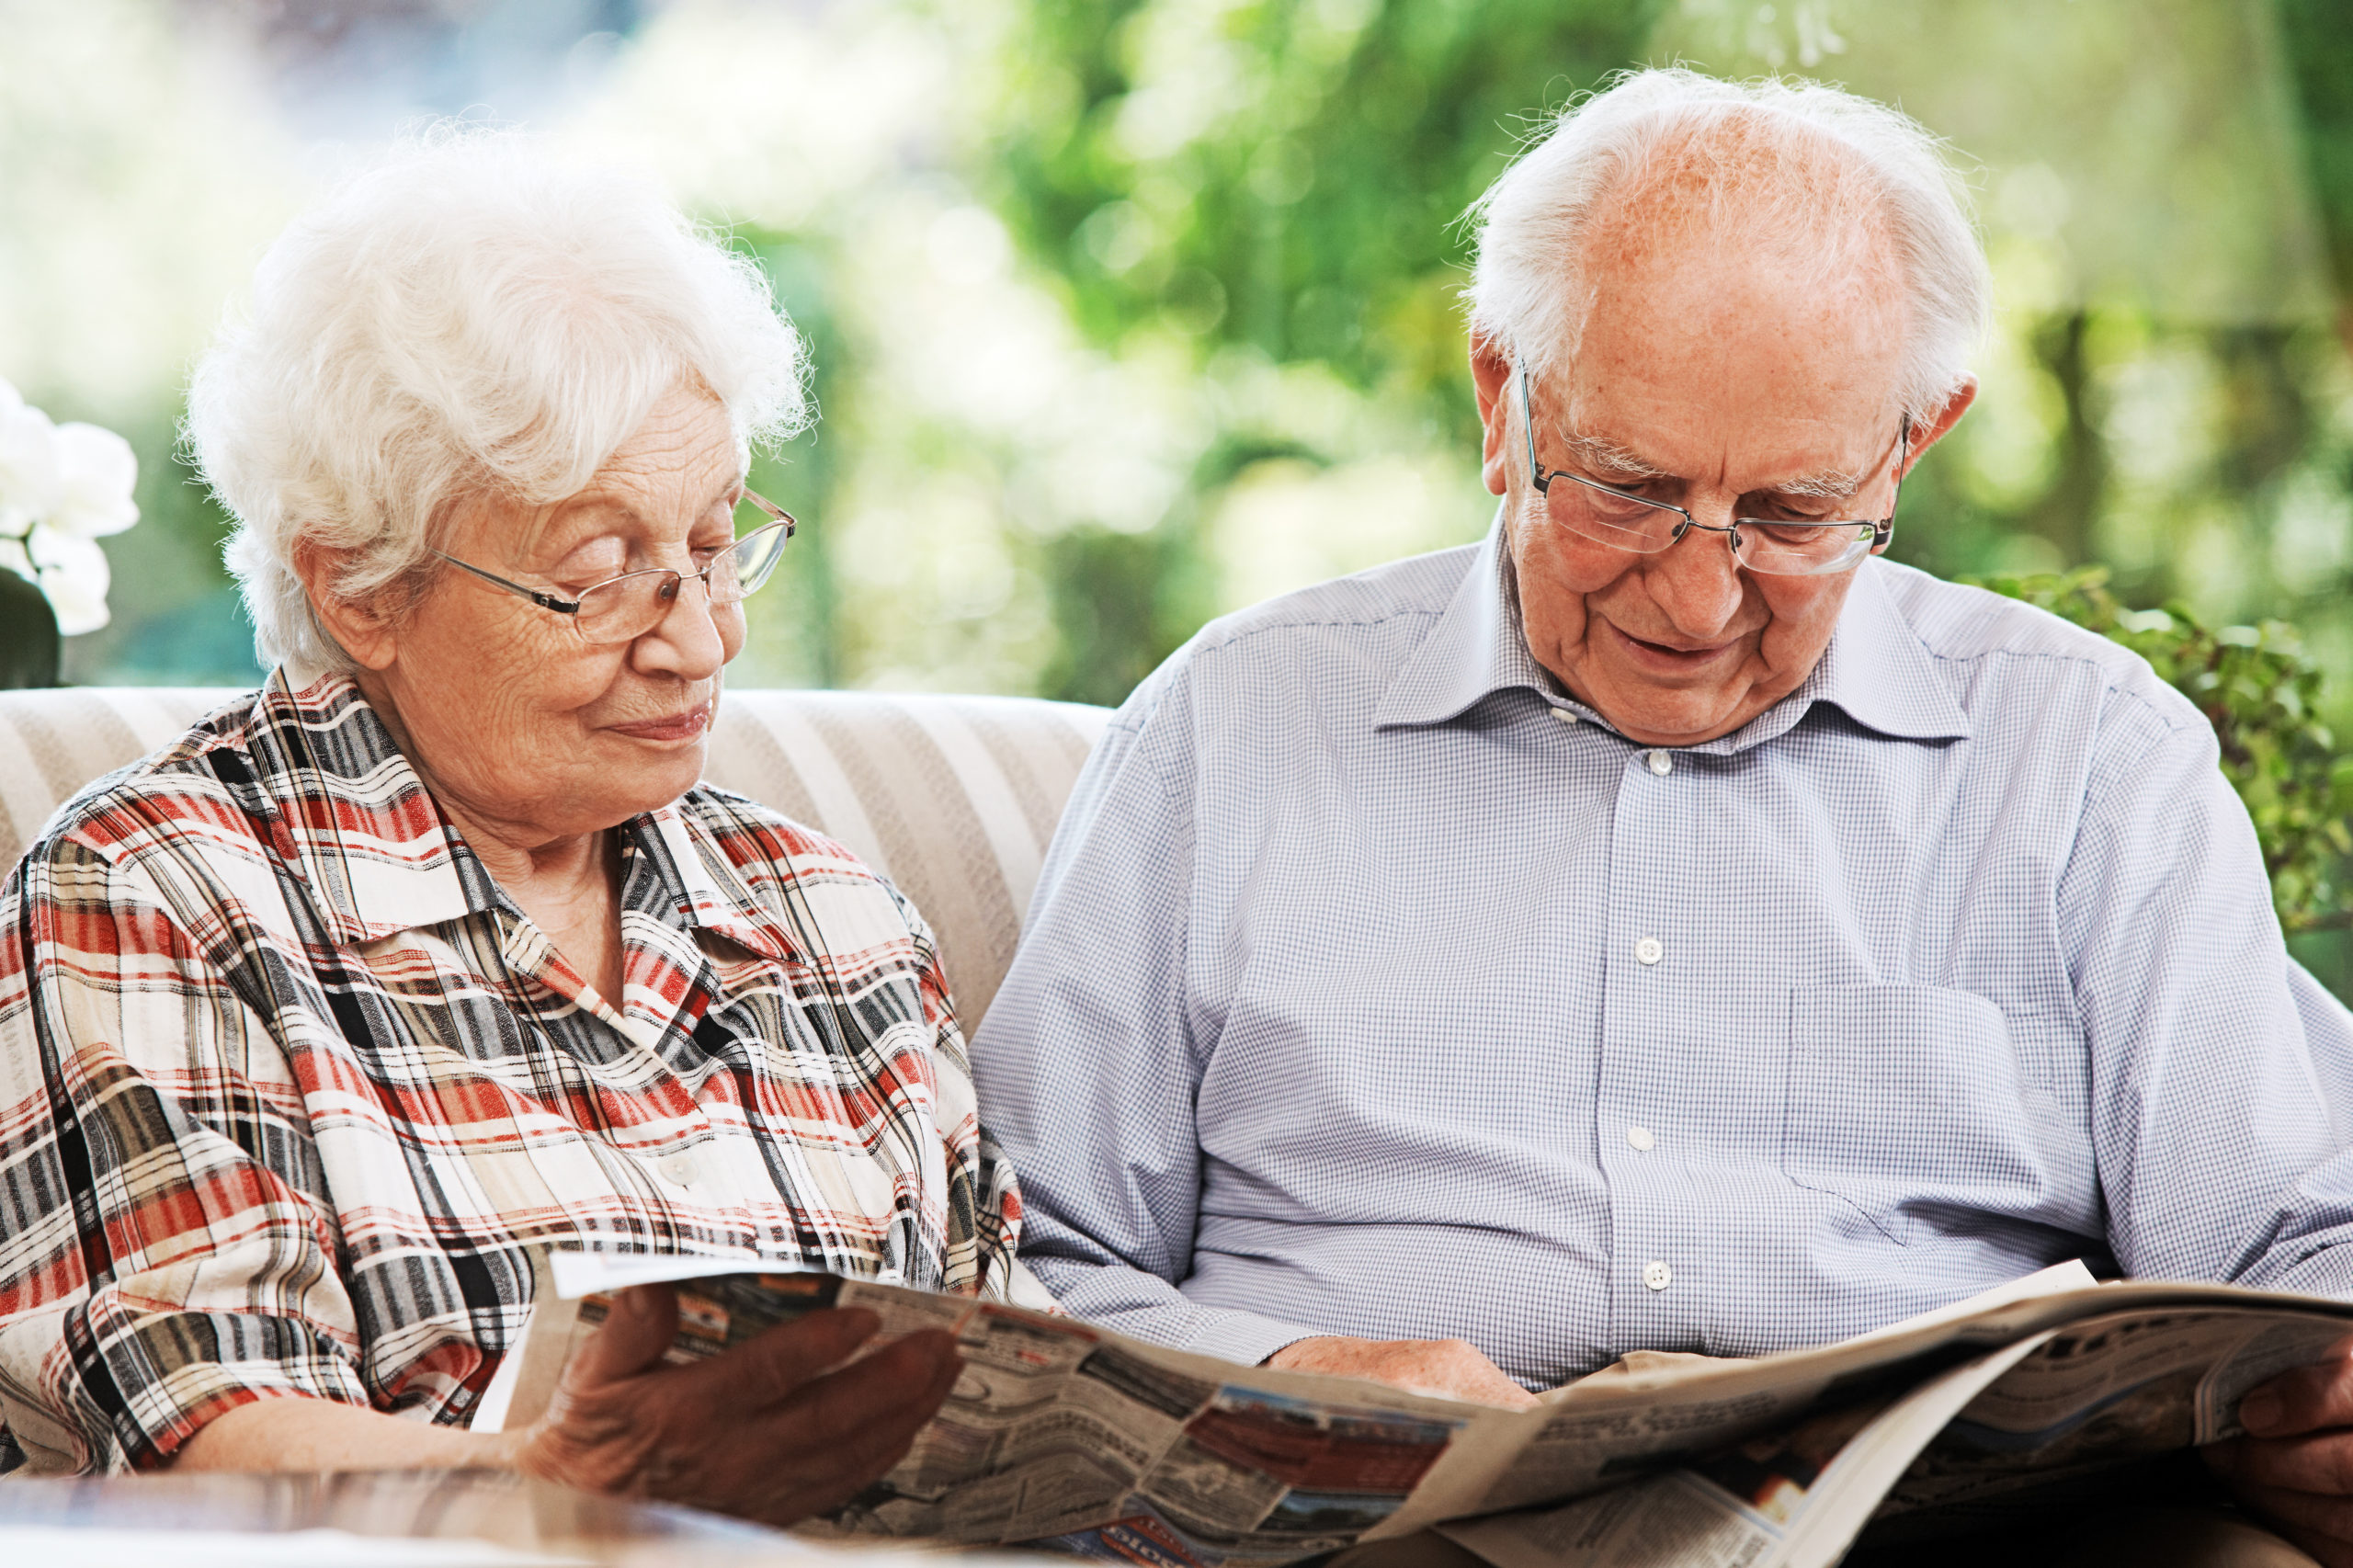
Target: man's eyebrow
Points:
x,y
1606,460
1831,484
1601,457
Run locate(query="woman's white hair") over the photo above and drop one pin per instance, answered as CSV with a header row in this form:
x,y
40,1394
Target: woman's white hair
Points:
x,y
1809,173
473,315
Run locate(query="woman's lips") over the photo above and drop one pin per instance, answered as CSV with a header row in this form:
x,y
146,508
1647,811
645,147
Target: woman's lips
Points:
x,y
687,725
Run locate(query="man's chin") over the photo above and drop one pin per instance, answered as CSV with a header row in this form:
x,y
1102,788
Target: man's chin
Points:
x,y
1661,715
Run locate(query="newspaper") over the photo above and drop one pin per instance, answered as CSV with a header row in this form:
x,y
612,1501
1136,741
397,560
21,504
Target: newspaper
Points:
x,y
1064,1434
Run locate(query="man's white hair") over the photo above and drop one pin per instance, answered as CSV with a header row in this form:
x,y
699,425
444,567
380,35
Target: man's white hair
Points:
x,y
473,315
1807,172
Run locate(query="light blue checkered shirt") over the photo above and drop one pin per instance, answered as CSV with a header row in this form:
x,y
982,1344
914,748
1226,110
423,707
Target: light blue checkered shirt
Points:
x,y
1374,988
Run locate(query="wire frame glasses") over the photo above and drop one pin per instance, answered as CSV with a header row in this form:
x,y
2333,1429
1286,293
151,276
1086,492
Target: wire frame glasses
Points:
x,y
623,608
1790,545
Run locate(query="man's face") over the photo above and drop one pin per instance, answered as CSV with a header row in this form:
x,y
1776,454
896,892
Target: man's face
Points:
x,y
1717,383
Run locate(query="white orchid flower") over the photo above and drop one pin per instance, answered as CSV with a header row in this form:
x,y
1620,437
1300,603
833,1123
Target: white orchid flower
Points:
x,y
29,465
95,472
73,573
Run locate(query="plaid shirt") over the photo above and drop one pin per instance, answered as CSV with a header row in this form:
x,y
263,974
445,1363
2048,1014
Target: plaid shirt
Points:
x,y
287,1084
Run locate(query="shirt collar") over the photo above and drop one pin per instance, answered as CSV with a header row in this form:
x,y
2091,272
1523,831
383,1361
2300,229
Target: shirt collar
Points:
x,y
1875,670
348,814
347,811
1476,648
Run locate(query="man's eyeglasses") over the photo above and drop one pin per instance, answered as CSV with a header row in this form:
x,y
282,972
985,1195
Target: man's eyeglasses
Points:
x,y
1786,544
622,609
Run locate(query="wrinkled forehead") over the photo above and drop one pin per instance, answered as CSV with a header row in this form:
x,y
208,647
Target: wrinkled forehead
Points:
x,y
1737,268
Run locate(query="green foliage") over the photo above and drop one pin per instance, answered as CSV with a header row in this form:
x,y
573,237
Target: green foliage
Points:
x,y
1285,176
2263,696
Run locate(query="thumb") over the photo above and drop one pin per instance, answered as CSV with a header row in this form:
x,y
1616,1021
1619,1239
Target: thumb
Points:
x,y
639,1326
779,1359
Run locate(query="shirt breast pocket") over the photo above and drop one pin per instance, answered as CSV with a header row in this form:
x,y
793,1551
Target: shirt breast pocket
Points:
x,y
1909,1103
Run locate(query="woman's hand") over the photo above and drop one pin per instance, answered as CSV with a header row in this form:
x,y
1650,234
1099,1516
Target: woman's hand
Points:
x,y
776,1429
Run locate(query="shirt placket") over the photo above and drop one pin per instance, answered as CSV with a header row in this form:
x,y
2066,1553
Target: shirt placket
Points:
x,y
1656,1276
679,1167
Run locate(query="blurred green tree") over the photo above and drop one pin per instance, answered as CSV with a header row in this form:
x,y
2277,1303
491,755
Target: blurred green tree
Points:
x,y
1280,180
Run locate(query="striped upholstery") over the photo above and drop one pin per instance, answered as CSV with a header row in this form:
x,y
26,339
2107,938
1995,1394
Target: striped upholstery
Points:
x,y
953,798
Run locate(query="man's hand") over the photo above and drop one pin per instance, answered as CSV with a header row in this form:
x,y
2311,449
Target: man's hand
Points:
x,y
776,1429
2295,1465
1450,1368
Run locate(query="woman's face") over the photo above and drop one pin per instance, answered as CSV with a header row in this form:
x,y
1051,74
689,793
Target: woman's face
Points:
x,y
516,721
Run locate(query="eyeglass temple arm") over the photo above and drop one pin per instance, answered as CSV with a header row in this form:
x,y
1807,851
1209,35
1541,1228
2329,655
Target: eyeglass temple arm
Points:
x,y
1884,529
1528,420
545,601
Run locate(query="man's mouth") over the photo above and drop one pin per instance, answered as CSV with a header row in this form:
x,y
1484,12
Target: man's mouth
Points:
x,y
1669,655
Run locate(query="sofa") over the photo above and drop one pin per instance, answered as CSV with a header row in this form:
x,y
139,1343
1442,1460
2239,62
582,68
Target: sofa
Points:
x,y
953,798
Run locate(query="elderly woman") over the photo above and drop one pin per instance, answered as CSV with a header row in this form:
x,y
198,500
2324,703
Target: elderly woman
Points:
x,y
314,1023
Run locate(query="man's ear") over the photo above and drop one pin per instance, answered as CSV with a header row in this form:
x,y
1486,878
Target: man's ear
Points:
x,y
360,629
1929,431
1491,373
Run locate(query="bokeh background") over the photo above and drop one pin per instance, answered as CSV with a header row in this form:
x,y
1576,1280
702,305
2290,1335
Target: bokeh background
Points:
x,y
1126,312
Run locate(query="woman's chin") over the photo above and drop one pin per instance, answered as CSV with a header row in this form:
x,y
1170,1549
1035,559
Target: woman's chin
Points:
x,y
643,775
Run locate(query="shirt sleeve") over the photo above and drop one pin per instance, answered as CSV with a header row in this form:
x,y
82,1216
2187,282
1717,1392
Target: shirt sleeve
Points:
x,y
1091,1056
161,1259
2218,1069
983,1219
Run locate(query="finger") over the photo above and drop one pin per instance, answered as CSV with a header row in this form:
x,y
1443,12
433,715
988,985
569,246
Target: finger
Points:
x,y
829,1445
911,1378
2321,1465
2303,1400
2321,1549
637,1327
769,1366
2324,1518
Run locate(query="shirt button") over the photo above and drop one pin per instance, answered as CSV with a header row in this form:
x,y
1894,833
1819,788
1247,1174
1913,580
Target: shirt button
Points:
x,y
1649,950
1564,716
1640,1137
1662,764
1656,1275
677,1168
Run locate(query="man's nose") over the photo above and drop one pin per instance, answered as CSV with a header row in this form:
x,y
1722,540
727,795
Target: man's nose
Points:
x,y
1697,581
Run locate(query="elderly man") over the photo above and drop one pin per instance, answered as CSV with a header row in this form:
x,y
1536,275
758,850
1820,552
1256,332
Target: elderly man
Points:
x,y
1667,923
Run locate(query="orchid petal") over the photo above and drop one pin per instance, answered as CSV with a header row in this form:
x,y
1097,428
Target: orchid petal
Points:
x,y
96,472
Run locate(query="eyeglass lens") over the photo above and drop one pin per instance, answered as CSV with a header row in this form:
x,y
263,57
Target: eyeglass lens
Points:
x,y
629,606
1761,544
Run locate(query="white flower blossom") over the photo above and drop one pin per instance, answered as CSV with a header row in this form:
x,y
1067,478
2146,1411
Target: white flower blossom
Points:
x,y
74,575
63,487
96,472
28,476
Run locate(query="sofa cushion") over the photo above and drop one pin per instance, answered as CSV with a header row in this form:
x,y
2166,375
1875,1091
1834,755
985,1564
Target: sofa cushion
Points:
x,y
953,798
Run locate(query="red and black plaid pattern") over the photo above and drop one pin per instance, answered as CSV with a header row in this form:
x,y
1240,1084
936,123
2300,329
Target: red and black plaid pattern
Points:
x,y
288,1085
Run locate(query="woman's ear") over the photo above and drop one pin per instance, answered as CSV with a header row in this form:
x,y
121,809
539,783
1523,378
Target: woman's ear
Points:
x,y
360,629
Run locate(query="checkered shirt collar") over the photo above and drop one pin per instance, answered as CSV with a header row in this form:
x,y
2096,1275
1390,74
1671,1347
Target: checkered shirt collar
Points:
x,y
347,813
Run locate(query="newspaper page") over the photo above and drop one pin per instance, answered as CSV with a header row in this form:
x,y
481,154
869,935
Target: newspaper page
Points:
x,y
1989,1442
1062,1434
1066,1434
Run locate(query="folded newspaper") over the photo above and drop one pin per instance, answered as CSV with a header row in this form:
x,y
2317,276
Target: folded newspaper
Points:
x,y
1064,1434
